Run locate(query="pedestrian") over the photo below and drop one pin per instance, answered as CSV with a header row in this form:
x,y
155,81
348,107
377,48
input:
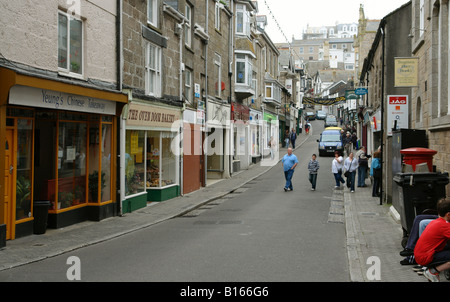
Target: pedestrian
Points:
x,y
350,166
354,141
271,147
307,124
375,172
363,164
347,143
336,169
289,162
293,138
286,138
431,249
313,167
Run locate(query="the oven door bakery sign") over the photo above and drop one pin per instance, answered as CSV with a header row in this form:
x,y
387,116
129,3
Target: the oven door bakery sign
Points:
x,y
150,116
43,98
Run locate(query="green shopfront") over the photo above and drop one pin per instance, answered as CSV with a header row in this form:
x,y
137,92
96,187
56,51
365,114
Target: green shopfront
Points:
x,y
150,161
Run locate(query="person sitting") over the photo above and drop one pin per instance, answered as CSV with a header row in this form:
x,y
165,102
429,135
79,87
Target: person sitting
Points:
x,y
430,249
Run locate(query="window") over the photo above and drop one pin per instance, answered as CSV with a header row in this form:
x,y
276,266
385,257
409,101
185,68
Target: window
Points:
x,y
152,12
334,46
217,16
187,26
153,70
244,69
311,50
301,49
188,85
70,44
242,20
273,92
422,17
162,164
134,162
217,74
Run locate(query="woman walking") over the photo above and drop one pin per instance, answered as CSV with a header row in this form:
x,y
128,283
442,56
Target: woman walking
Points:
x,y
336,169
350,166
375,172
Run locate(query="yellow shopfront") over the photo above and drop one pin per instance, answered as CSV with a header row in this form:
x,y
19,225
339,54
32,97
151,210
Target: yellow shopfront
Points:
x,y
60,146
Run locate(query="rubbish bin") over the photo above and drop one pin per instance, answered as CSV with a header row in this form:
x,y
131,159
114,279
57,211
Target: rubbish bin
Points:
x,y
416,156
419,192
40,214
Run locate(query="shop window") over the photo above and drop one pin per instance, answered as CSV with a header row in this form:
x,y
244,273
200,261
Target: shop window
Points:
x,y
24,168
70,44
134,162
71,164
161,161
106,162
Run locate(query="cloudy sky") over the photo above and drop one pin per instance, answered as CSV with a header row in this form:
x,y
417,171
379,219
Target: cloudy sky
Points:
x,y
293,15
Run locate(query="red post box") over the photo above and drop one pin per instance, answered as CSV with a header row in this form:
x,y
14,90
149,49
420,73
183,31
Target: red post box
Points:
x,y
415,156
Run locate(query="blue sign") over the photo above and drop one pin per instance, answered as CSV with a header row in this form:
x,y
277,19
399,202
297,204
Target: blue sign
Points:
x,y
361,91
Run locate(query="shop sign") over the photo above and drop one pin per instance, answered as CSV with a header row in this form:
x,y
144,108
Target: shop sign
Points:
x,y
218,114
240,112
149,116
397,112
255,117
406,72
43,98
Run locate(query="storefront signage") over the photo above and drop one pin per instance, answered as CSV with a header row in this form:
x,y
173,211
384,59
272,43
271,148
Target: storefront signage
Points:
x,y
218,114
43,98
406,72
149,116
397,112
361,91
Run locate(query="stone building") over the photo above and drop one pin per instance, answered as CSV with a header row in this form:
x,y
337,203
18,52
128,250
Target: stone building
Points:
x,y
430,100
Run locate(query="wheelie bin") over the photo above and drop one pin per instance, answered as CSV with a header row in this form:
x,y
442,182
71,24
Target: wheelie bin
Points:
x,y
40,214
418,192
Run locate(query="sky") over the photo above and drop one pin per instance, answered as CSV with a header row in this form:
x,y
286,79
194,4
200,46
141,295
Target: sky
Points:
x,y
293,16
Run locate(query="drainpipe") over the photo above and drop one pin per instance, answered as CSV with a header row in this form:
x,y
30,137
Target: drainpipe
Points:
x,y
205,146
180,160
122,131
382,109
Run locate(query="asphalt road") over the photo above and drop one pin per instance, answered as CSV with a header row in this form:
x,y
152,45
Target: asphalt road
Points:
x,y
257,234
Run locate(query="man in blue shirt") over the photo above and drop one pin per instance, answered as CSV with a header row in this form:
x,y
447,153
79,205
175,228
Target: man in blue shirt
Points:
x,y
289,162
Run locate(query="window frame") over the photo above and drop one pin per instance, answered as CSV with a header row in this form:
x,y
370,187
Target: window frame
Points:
x,y
67,70
153,4
157,70
187,25
218,63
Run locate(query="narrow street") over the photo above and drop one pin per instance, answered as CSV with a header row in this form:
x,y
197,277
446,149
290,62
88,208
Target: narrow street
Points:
x,y
257,234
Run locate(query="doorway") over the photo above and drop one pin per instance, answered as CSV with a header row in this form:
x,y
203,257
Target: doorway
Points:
x,y
9,171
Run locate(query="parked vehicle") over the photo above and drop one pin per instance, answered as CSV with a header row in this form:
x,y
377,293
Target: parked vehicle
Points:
x,y
331,121
309,116
330,141
321,115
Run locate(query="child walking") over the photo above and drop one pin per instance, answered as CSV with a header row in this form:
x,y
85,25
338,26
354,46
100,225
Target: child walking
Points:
x,y
313,167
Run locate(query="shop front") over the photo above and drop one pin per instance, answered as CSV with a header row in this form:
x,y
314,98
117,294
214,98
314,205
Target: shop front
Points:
x,y
271,132
150,154
240,116
60,147
218,126
255,135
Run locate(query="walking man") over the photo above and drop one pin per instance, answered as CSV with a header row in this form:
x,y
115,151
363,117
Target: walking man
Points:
x,y
293,138
289,162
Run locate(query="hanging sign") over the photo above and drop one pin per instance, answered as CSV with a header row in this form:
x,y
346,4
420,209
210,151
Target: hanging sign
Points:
x,y
320,101
406,72
397,111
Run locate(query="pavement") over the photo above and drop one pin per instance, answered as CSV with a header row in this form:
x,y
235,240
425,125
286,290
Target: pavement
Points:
x,y
373,231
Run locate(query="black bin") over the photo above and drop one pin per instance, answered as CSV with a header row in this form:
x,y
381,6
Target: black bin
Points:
x,y
40,213
419,192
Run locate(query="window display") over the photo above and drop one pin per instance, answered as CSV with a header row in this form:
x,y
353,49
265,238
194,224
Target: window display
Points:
x,y
71,164
134,162
161,161
24,171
